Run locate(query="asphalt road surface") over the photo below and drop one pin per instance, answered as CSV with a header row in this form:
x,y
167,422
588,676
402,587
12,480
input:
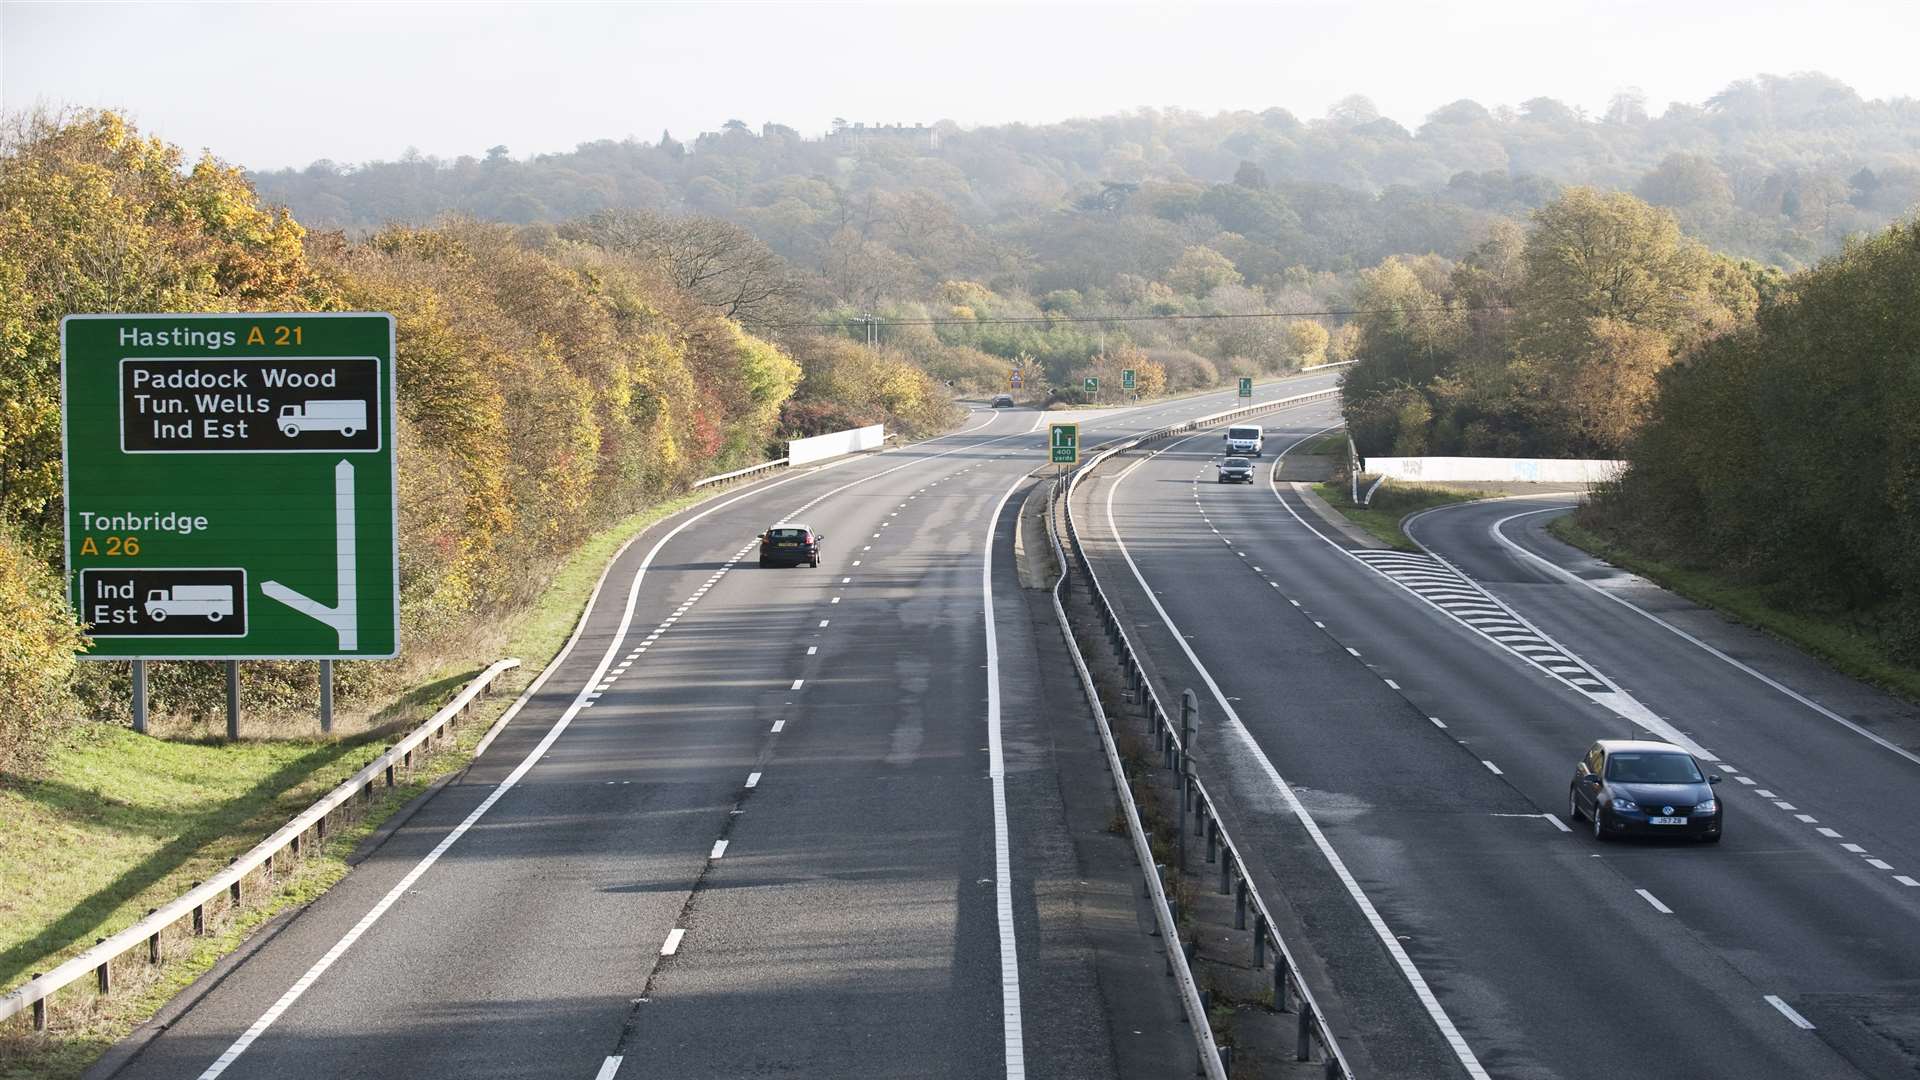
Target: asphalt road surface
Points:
x,y
759,822
1397,734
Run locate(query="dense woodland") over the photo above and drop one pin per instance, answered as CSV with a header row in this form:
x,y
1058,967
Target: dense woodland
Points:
x,y
583,333
548,386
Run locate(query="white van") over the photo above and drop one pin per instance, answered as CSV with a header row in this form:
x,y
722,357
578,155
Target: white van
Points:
x,y
1245,439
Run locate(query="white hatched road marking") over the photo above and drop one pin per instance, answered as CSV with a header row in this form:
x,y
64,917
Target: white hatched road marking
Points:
x,y
608,1068
1786,1010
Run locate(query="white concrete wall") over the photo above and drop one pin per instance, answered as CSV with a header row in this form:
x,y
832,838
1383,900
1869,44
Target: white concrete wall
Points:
x,y
1503,470
835,443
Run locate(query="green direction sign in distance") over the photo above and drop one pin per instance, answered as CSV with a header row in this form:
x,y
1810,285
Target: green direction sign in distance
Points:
x,y
230,485
1064,441
1246,387
1092,385
1126,379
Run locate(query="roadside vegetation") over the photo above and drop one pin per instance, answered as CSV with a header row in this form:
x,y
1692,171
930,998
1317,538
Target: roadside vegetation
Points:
x,y
1392,504
1782,463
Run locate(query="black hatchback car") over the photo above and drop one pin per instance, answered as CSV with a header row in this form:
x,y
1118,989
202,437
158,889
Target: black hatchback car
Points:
x,y
790,543
1236,470
1643,788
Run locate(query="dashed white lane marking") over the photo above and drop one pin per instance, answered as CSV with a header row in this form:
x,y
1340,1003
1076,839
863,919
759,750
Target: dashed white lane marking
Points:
x,y
846,580
608,1068
1907,881
719,849
1786,1010
1557,823
1353,651
1655,901
797,683
672,944
778,726
824,622
753,779
856,562
1831,834
1391,685
1764,793
1437,722
1747,780
1491,767
1259,758
1879,864
1784,805
835,600
811,649
1808,818
1855,848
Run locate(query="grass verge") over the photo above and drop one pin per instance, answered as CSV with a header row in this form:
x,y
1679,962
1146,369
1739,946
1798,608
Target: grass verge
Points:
x,y
1845,646
1331,444
121,823
1392,504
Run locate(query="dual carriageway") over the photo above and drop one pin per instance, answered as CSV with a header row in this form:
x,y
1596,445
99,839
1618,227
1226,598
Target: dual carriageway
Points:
x,y
812,822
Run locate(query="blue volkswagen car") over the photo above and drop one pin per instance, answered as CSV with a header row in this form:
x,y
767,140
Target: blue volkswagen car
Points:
x,y
1633,787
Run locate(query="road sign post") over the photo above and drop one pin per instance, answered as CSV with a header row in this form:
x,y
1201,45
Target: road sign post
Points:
x,y
1063,442
1246,386
231,485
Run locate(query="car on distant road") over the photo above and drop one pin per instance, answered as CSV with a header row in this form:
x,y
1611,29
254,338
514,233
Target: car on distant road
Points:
x,y
1003,401
790,543
1644,788
1236,470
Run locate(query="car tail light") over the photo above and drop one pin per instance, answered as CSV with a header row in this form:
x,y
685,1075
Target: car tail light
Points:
x,y
806,538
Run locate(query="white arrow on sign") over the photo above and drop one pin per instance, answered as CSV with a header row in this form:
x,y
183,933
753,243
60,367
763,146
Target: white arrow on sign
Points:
x,y
344,618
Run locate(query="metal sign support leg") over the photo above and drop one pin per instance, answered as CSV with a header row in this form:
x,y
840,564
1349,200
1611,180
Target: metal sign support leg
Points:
x,y
233,700
139,695
326,697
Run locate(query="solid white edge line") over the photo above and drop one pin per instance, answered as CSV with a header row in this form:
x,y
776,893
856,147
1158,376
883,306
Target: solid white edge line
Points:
x,y
1655,901
608,1068
1557,823
1011,1024
1787,1011
1567,575
581,701
1259,756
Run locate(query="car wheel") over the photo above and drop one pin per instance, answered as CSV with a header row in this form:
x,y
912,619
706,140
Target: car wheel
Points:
x,y
1600,824
815,563
764,562
1573,806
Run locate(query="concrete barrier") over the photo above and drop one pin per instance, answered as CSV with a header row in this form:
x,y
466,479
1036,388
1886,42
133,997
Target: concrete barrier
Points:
x,y
835,443
1498,470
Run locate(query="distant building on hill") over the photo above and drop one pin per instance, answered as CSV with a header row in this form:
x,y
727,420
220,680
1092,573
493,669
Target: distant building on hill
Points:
x,y
848,138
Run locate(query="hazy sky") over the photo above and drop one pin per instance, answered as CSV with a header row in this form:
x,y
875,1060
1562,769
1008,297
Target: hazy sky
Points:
x,y
267,85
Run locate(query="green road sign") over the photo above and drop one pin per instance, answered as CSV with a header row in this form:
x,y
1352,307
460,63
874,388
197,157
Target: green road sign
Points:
x,y
1092,385
230,485
1246,387
1126,379
1064,440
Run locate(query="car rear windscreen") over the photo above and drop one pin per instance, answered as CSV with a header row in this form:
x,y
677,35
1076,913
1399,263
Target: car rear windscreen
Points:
x,y
1243,433
785,534
1237,463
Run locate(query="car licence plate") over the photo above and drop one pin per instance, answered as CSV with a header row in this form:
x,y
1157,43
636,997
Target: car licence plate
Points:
x,y
1667,821
789,543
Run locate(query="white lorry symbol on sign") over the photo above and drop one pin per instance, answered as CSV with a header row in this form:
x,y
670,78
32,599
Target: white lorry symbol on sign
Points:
x,y
346,417
212,602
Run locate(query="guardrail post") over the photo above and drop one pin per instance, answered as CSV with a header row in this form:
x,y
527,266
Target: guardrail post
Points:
x,y
1303,1041
233,890
199,915
320,829
1280,980
1259,940
104,973
153,942
1189,718
1226,866
39,1009
1240,903
1212,829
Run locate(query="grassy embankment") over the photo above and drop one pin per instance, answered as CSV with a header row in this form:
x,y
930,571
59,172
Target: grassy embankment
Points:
x,y
120,823
1392,504
1846,645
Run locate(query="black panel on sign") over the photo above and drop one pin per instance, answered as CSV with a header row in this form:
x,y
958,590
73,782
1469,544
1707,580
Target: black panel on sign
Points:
x,y
164,603
249,405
